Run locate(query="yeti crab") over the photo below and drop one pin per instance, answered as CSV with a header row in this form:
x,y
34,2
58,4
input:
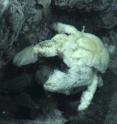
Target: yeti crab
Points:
x,y
83,53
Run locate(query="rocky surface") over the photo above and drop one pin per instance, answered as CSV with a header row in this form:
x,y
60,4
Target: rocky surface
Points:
x,y
111,117
26,22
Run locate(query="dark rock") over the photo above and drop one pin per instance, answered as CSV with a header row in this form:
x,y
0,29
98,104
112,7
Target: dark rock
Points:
x,y
20,25
10,25
51,114
16,84
86,5
43,74
104,16
111,117
110,39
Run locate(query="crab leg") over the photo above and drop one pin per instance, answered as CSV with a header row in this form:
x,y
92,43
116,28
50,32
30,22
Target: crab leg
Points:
x,y
64,28
88,95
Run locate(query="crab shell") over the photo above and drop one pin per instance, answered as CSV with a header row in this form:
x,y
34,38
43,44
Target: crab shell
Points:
x,y
94,52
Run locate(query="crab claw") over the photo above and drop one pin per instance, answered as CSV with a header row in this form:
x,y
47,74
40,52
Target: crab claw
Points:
x,y
26,56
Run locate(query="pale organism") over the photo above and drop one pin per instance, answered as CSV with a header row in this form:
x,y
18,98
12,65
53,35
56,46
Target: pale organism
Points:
x,y
83,53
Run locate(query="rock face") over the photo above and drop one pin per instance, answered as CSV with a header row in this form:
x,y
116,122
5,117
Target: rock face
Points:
x,y
26,22
110,119
18,24
87,5
104,10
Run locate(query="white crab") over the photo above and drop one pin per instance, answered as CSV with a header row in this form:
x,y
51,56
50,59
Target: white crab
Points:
x,y
83,53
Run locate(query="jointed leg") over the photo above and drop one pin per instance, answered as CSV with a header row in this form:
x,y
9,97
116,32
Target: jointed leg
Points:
x,y
65,82
30,54
88,95
60,81
47,48
64,28
26,56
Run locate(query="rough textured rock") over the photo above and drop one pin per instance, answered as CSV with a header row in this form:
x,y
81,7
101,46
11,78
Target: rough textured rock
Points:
x,y
88,5
103,9
112,113
110,39
18,26
11,22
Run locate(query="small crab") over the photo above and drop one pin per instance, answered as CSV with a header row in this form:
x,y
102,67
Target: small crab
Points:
x,y
83,53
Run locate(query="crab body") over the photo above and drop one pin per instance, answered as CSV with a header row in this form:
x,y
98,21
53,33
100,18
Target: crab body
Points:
x,y
83,53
